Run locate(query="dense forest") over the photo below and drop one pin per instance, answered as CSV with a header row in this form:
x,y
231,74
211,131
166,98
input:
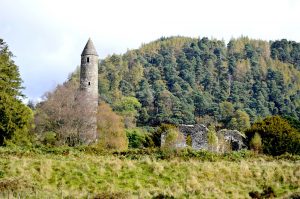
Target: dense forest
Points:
x,y
182,80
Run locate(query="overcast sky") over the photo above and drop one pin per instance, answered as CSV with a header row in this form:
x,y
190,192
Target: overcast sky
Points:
x,y
47,36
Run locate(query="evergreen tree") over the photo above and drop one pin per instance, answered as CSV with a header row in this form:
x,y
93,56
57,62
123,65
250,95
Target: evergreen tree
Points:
x,y
15,117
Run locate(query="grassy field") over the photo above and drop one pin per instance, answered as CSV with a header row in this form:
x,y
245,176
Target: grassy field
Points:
x,y
73,173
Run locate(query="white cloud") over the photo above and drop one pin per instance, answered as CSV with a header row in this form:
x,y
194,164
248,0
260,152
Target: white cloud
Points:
x,y
47,36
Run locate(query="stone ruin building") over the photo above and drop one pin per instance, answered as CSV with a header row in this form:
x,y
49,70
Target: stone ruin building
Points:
x,y
199,137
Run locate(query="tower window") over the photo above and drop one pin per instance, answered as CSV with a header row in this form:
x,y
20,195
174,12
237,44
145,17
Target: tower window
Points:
x,y
87,59
89,83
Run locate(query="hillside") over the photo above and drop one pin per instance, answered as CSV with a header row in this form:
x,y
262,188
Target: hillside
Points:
x,y
187,80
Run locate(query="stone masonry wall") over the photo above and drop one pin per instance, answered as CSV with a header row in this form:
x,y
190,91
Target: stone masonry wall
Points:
x,y
198,134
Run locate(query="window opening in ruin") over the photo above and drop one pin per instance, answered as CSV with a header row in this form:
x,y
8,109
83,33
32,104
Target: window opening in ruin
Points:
x,y
87,59
89,83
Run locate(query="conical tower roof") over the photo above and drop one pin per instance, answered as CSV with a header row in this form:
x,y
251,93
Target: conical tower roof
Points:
x,y
89,49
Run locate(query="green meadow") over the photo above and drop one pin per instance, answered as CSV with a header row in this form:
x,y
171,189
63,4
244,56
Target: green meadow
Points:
x,y
88,173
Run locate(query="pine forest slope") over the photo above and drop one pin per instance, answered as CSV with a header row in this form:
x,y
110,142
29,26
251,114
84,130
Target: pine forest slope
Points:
x,y
184,80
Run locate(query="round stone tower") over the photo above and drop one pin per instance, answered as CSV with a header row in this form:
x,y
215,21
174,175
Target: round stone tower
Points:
x,y
89,89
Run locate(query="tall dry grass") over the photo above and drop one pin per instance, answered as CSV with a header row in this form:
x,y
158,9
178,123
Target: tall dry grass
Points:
x,y
83,175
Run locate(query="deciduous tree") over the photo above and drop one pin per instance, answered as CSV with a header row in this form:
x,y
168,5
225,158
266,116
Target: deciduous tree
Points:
x,y
111,131
63,113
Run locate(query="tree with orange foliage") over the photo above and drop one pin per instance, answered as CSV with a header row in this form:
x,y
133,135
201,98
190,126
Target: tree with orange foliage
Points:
x,y
111,131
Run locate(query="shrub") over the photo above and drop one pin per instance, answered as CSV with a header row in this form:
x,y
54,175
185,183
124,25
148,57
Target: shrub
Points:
x,y
277,136
136,138
189,140
155,134
223,145
171,138
255,143
212,138
49,138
